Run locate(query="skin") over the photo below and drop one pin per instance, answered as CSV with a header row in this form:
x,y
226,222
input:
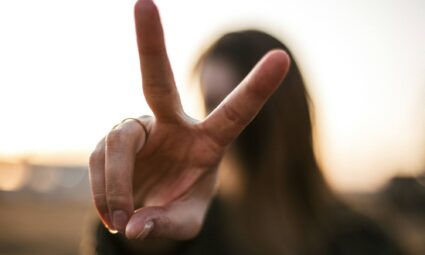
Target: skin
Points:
x,y
218,78
160,182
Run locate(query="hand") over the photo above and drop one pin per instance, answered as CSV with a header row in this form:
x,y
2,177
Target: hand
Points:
x,y
167,170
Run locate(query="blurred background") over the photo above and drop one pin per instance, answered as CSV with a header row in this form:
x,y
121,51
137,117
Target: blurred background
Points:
x,y
69,71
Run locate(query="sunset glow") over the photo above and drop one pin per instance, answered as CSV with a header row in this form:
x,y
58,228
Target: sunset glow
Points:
x,y
69,71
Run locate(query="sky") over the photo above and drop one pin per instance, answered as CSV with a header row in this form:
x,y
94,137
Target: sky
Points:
x,y
69,71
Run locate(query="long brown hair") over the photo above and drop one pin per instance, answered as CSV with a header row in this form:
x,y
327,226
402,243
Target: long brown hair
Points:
x,y
286,200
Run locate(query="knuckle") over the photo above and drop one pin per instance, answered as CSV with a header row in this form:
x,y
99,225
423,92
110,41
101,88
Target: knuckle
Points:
x,y
95,157
234,116
116,139
116,199
159,86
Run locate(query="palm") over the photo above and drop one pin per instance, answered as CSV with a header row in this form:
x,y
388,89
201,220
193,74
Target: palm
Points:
x,y
170,176
174,158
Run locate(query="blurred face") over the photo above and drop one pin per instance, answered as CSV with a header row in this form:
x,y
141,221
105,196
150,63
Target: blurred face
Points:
x,y
218,78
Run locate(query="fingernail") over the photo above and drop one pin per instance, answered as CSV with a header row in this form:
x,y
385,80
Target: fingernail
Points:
x,y
146,230
119,220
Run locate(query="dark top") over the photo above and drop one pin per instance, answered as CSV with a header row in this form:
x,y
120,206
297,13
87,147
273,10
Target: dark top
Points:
x,y
361,237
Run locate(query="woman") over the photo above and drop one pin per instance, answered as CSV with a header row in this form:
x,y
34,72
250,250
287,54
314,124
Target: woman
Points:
x,y
166,165
284,205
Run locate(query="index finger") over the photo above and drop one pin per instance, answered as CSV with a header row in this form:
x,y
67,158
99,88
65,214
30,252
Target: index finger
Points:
x,y
238,109
157,76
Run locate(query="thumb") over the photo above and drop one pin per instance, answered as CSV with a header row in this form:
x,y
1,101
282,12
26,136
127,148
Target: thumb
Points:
x,y
181,219
178,221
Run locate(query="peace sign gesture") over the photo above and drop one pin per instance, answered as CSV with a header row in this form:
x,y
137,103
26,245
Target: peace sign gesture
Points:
x,y
165,166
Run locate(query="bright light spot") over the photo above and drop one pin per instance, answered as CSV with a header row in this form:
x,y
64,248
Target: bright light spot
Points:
x,y
12,176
